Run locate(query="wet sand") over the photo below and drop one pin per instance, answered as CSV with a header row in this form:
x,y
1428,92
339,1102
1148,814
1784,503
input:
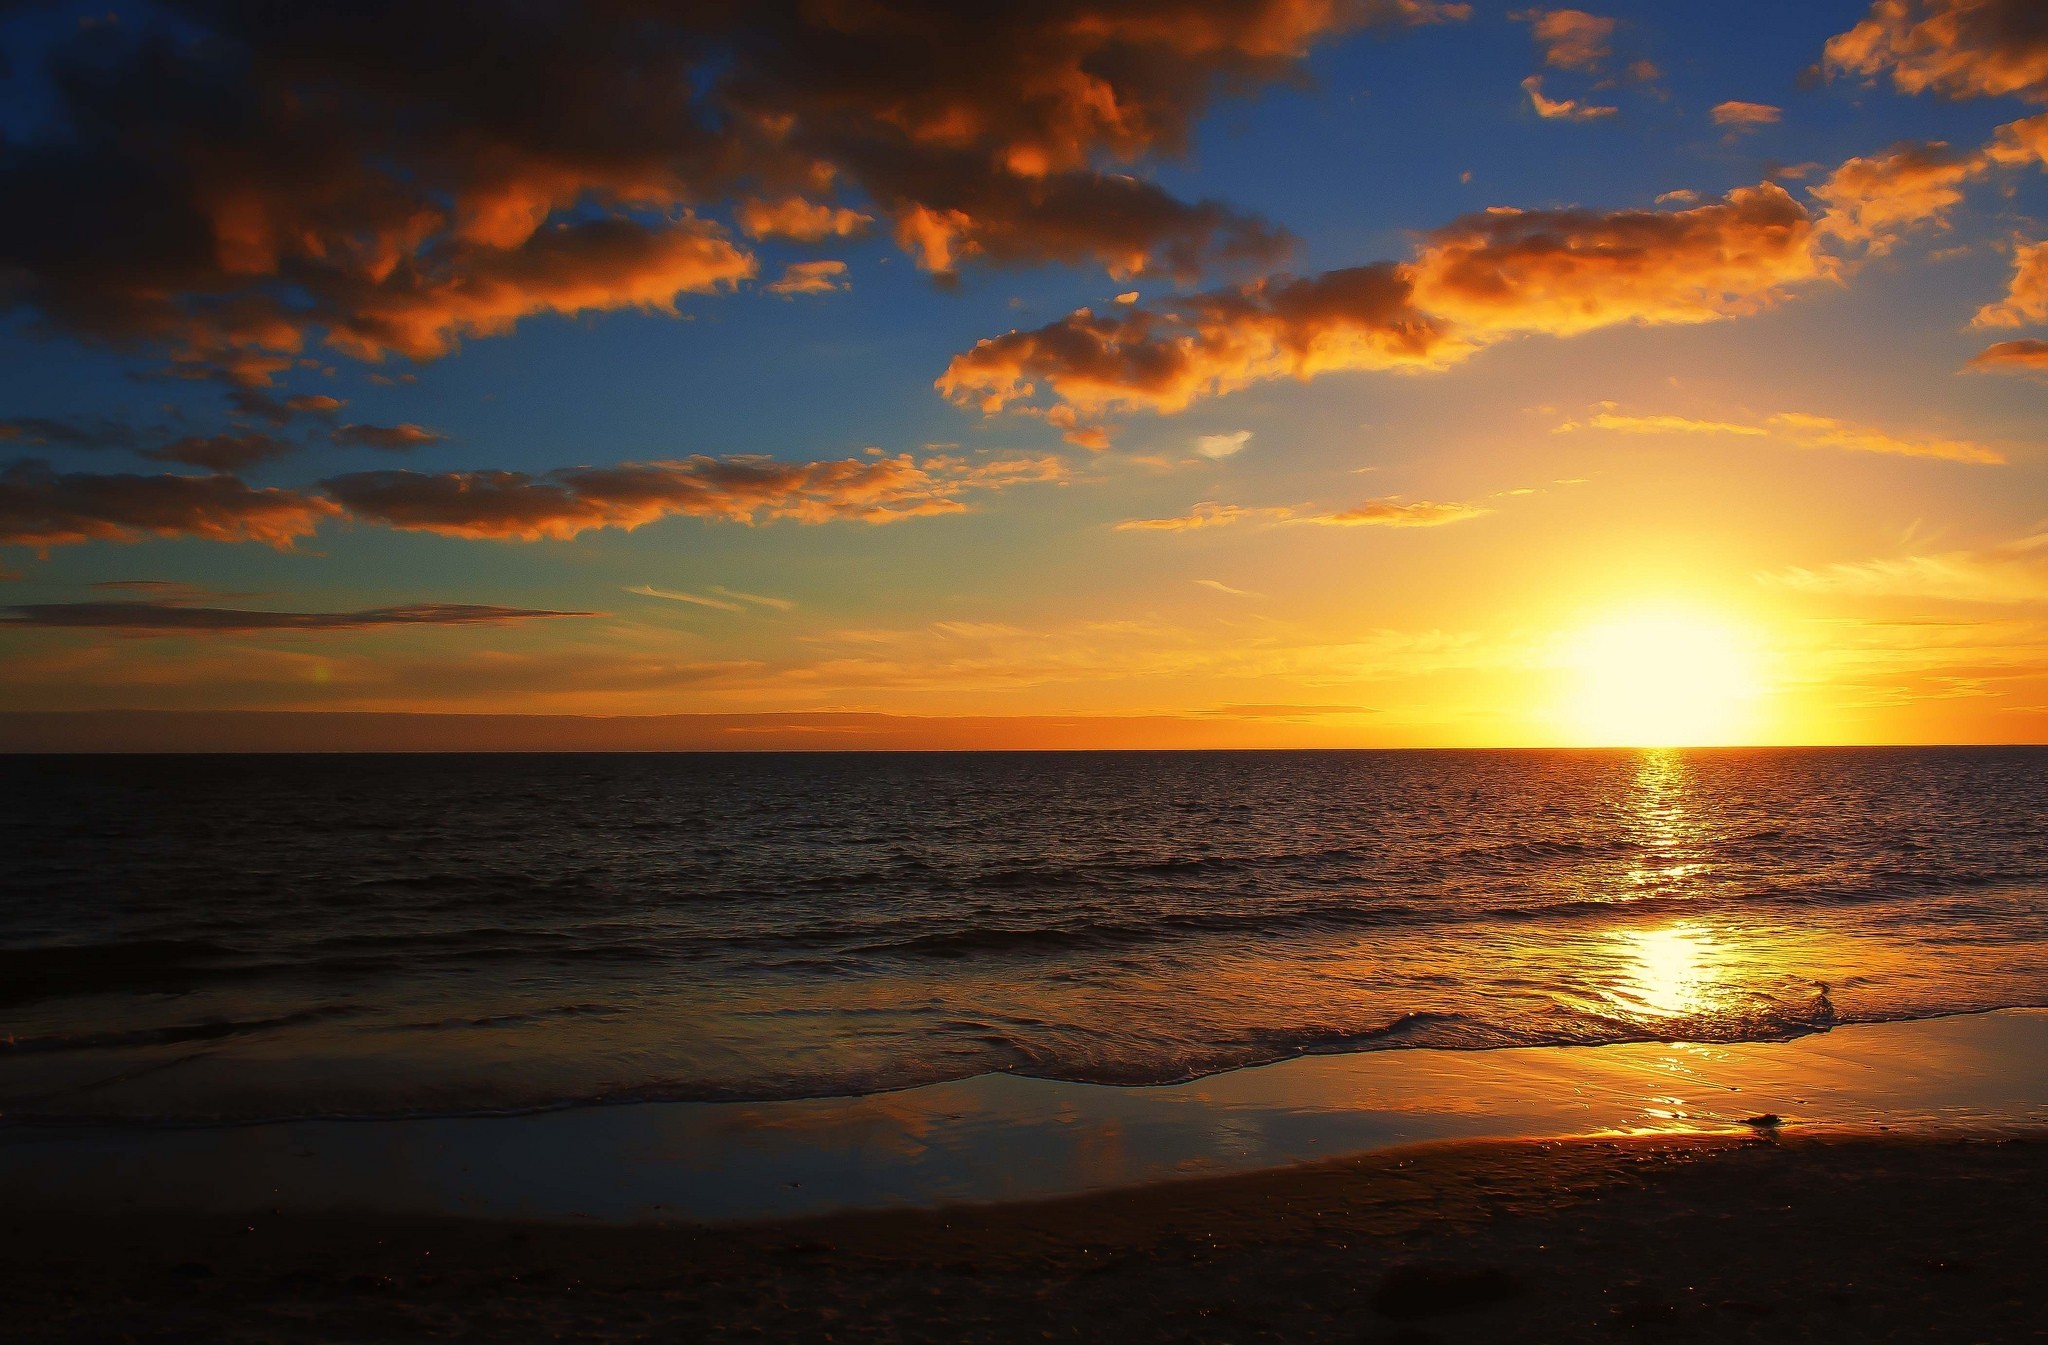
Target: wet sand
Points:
x,y
1715,1238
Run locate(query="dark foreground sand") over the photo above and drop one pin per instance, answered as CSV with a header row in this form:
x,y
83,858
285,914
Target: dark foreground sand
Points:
x,y
1794,1239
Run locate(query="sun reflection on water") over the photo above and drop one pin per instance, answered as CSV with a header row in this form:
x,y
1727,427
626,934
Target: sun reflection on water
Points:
x,y
1675,972
1666,832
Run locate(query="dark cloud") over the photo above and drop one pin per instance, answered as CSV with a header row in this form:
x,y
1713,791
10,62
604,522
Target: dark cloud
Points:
x,y
221,452
172,617
388,178
562,504
260,405
400,438
56,433
40,507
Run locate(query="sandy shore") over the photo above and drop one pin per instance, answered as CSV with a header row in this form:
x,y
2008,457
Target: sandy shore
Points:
x,y
1814,1238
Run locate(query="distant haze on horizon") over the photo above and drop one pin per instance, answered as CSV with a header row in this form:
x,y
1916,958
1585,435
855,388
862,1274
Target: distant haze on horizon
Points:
x,y
1174,373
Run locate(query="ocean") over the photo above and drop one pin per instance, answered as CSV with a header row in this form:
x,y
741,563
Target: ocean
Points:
x,y
207,940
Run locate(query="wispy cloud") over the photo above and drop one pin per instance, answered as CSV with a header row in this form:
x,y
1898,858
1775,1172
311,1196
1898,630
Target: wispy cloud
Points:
x,y
1390,512
759,599
2016,572
1395,513
1222,587
1796,428
172,617
675,595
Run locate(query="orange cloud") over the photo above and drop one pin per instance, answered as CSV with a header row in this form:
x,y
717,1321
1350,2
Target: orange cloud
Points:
x,y
1959,48
42,508
1210,344
1873,201
1383,513
1571,39
1480,279
1737,113
590,266
562,504
2026,296
1396,514
1561,272
821,277
794,217
2012,357
1561,109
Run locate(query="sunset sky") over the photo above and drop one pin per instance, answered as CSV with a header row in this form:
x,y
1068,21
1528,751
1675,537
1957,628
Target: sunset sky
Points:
x,y
1179,372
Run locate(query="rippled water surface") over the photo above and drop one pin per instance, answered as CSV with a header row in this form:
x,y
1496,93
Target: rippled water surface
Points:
x,y
231,938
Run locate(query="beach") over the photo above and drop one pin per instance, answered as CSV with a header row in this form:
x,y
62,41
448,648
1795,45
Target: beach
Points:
x,y
1879,1182
1816,1238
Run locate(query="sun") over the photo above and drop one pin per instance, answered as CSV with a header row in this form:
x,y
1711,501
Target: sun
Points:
x,y
1662,676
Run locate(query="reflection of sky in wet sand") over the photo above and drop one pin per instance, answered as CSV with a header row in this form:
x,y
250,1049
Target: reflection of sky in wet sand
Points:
x,y
1003,1137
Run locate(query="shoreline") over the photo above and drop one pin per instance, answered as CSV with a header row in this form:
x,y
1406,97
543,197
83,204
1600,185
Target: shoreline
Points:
x,y
1007,1138
1823,1236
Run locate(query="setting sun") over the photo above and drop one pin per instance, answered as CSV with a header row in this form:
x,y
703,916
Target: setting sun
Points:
x,y
1661,677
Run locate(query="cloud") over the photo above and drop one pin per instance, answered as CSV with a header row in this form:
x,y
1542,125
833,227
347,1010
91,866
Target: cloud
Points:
x,y
1391,513
221,452
1384,513
2026,296
1571,39
1207,514
1958,48
562,504
1799,429
1221,587
174,618
570,268
59,433
278,412
1873,201
400,438
2012,357
674,595
42,508
322,172
1480,279
2016,572
821,277
758,599
795,218
1207,345
1567,271
1561,272
1219,446
1743,115
1561,109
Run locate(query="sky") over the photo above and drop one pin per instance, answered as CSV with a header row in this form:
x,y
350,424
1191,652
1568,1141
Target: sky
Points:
x,y
1168,373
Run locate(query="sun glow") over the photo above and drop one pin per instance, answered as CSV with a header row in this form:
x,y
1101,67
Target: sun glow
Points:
x,y
1666,677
